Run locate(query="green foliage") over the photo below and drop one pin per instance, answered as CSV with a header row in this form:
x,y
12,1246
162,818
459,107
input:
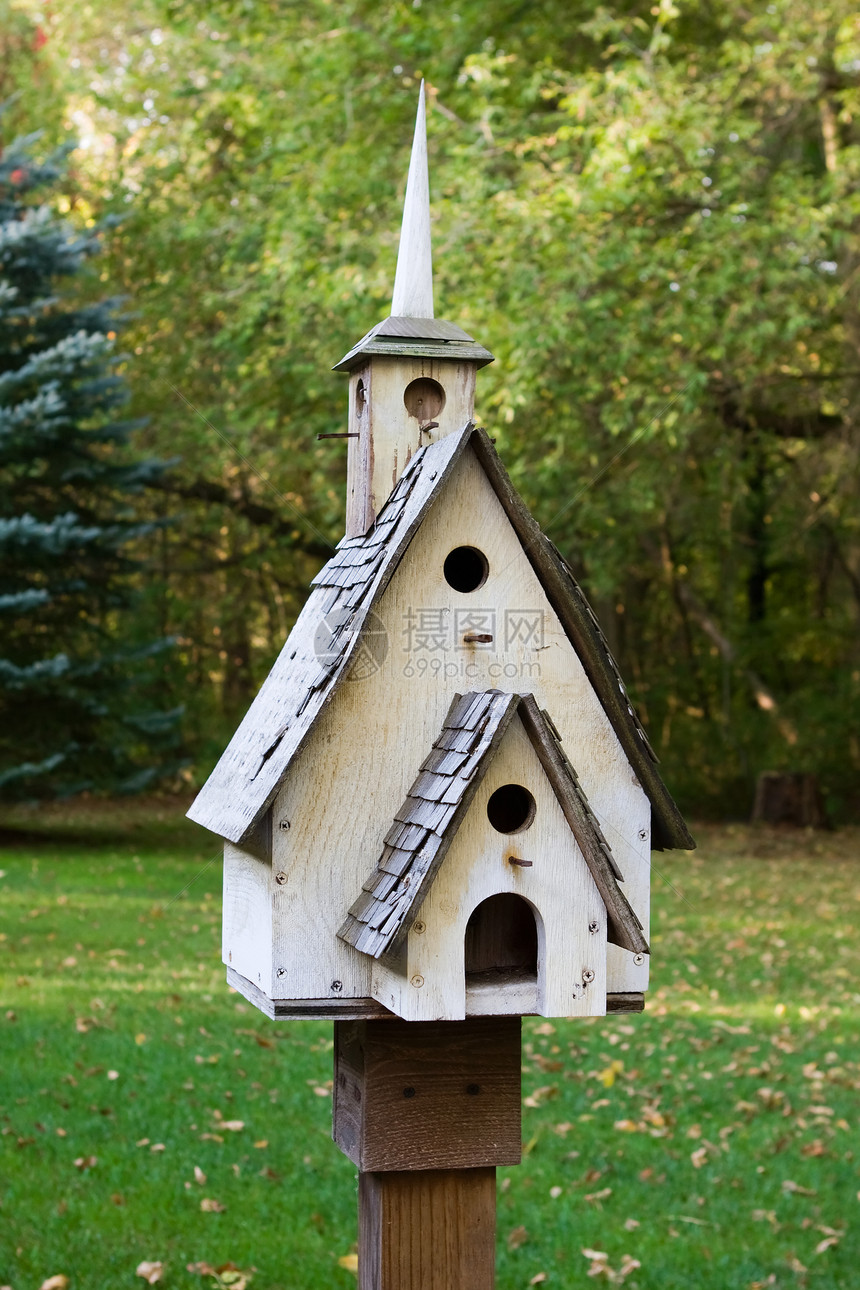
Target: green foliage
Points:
x,y
649,213
77,706
712,1139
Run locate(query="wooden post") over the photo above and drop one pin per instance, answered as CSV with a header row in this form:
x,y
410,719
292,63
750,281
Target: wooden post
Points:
x,y
429,1228
427,1110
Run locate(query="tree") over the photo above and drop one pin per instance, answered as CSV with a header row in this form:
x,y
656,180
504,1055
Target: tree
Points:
x,y
79,683
648,211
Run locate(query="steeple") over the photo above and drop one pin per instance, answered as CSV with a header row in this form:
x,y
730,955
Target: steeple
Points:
x,y
413,282
412,377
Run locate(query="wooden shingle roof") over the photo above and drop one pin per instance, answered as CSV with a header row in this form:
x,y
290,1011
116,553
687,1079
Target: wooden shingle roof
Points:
x,y
327,635
427,822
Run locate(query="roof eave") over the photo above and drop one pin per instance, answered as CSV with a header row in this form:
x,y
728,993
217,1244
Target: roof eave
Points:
x,y
434,338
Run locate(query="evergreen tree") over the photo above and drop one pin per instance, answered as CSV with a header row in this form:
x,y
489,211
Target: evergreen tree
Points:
x,y
79,707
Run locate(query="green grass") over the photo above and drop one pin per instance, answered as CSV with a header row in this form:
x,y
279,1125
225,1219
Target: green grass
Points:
x,y
712,1140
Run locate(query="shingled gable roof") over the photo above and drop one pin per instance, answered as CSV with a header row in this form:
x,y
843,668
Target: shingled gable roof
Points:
x,y
437,803
326,637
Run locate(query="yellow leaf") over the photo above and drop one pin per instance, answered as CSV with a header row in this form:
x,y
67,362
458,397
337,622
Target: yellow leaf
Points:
x,y
350,1262
608,1076
58,1282
210,1206
140,1038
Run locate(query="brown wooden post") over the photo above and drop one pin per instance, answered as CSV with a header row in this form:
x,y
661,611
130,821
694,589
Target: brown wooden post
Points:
x,y
427,1110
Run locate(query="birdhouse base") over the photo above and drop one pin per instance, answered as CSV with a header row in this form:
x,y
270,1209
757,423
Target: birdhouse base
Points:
x,y
428,1095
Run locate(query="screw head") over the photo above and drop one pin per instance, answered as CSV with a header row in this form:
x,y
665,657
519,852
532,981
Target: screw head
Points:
x,y
337,986
418,927
283,825
417,980
587,975
281,972
593,927
280,877
643,833
638,959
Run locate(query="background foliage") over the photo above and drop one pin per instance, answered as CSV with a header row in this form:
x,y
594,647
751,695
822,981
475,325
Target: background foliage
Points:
x,y
648,212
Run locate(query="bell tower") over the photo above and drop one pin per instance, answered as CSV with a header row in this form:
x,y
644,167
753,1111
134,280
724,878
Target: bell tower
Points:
x,y
412,377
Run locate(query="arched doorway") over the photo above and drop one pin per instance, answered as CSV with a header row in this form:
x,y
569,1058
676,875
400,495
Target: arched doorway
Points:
x,y
501,940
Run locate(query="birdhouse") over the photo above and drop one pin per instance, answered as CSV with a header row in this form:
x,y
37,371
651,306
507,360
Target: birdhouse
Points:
x,y
441,804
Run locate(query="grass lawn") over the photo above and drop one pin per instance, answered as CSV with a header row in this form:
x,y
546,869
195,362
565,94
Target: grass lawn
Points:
x,y
150,1115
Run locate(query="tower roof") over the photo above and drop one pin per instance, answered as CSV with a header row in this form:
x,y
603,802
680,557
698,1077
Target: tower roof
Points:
x,y
411,329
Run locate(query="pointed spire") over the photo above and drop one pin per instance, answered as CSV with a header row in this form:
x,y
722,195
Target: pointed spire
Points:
x,y
413,282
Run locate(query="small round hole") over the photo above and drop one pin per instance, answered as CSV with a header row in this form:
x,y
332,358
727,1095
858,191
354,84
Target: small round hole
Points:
x,y
424,399
409,1091
466,568
511,808
360,397
473,1089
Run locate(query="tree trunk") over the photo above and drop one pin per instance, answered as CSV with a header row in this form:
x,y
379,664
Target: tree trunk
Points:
x,y
782,797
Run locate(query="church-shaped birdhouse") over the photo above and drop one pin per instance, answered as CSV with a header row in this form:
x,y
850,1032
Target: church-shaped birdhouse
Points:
x,y
441,804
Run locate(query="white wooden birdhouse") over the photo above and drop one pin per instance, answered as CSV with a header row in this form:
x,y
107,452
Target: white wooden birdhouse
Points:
x,y
441,803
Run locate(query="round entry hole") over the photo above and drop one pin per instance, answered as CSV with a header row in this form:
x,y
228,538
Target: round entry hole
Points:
x,y
424,399
466,568
511,808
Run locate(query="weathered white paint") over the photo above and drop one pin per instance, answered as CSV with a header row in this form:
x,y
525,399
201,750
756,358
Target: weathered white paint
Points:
x,y
364,752
388,435
429,982
247,930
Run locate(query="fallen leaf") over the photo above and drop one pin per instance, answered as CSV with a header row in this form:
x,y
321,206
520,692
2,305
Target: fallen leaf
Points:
x,y
631,1224
151,1272
826,1244
264,1142
86,1162
58,1282
157,1146
699,1157
113,1074
626,1126
517,1237
603,1194
210,1206
795,1189
233,1126
199,1176
350,1262
538,1279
